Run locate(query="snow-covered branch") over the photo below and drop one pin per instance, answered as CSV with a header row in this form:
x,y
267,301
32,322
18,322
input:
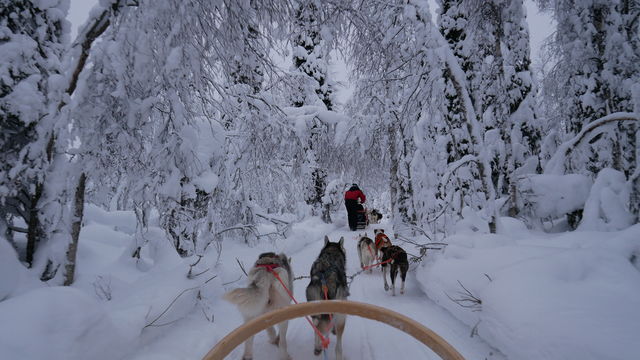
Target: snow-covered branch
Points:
x,y
556,165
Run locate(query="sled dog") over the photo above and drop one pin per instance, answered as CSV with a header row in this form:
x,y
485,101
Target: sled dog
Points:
x,y
398,261
374,216
328,276
366,251
382,241
265,293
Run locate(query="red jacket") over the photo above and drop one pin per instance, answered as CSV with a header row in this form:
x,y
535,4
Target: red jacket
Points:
x,y
354,195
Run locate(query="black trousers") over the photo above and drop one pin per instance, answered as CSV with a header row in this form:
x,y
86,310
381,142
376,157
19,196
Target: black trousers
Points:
x,y
352,212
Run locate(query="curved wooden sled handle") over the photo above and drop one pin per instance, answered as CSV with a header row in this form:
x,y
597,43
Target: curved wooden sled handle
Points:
x,y
368,311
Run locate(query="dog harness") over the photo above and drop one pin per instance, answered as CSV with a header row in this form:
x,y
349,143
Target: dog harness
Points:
x,y
380,237
269,267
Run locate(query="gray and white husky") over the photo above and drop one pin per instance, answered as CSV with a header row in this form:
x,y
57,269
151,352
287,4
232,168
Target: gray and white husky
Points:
x,y
265,293
329,271
366,252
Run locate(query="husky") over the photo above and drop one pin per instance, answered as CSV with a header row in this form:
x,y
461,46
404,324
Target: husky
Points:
x,y
397,260
366,252
382,241
265,293
374,216
328,272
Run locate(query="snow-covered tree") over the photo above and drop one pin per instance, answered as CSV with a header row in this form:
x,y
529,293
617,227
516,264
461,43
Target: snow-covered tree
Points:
x,y
32,39
311,73
596,55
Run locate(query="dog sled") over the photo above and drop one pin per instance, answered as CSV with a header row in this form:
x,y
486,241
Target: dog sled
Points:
x,y
421,333
362,220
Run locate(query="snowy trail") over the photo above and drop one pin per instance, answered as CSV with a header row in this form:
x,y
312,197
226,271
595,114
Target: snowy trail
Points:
x,y
368,339
363,339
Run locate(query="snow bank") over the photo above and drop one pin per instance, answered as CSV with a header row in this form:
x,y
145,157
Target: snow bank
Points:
x,y
124,221
553,196
10,268
572,296
605,208
58,323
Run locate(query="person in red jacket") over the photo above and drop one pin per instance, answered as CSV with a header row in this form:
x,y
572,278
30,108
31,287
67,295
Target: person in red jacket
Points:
x,y
353,199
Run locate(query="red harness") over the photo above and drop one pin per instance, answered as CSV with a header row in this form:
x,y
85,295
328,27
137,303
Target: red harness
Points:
x,y
380,239
269,267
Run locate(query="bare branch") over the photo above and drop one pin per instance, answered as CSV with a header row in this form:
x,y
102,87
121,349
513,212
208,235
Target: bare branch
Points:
x,y
153,322
241,267
467,299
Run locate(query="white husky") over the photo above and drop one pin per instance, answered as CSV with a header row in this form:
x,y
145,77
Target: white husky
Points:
x,y
265,293
366,251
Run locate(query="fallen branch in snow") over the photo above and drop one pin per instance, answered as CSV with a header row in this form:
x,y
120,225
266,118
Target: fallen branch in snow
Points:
x,y
190,274
423,248
301,277
231,282
102,288
281,230
153,322
467,299
474,330
242,267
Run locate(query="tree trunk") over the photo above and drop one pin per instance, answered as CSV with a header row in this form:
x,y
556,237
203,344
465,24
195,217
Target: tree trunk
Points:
x,y
76,225
33,228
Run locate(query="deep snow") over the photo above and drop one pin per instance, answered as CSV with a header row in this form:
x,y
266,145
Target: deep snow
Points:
x,y
544,296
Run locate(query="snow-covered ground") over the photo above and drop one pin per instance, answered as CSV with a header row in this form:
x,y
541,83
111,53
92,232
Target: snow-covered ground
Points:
x,y
544,296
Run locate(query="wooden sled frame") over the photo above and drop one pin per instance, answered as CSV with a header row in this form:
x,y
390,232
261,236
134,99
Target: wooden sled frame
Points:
x,y
368,311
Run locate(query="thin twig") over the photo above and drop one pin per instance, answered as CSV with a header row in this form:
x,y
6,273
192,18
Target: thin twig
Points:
x,y
467,299
153,322
231,282
242,267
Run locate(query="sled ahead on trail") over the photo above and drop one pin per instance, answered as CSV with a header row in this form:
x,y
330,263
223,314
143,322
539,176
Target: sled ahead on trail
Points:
x,y
362,219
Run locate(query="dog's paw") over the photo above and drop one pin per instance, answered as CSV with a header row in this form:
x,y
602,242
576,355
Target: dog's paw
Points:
x,y
247,358
317,352
285,357
275,340
386,287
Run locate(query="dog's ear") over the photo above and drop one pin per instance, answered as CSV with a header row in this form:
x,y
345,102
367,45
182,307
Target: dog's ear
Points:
x,y
341,242
289,260
326,239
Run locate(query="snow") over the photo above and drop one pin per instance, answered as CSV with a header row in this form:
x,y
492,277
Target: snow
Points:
x,y
570,296
544,296
605,208
10,268
552,196
58,323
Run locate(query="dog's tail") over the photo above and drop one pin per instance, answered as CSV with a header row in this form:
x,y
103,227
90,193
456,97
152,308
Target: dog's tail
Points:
x,y
252,299
243,296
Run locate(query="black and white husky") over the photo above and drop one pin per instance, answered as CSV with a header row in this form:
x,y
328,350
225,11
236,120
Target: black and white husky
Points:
x,y
328,272
366,252
394,257
265,293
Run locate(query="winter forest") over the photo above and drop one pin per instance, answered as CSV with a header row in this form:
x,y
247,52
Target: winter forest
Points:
x,y
148,160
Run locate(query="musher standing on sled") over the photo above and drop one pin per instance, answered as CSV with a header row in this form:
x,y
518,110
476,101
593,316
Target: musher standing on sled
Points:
x,y
351,202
